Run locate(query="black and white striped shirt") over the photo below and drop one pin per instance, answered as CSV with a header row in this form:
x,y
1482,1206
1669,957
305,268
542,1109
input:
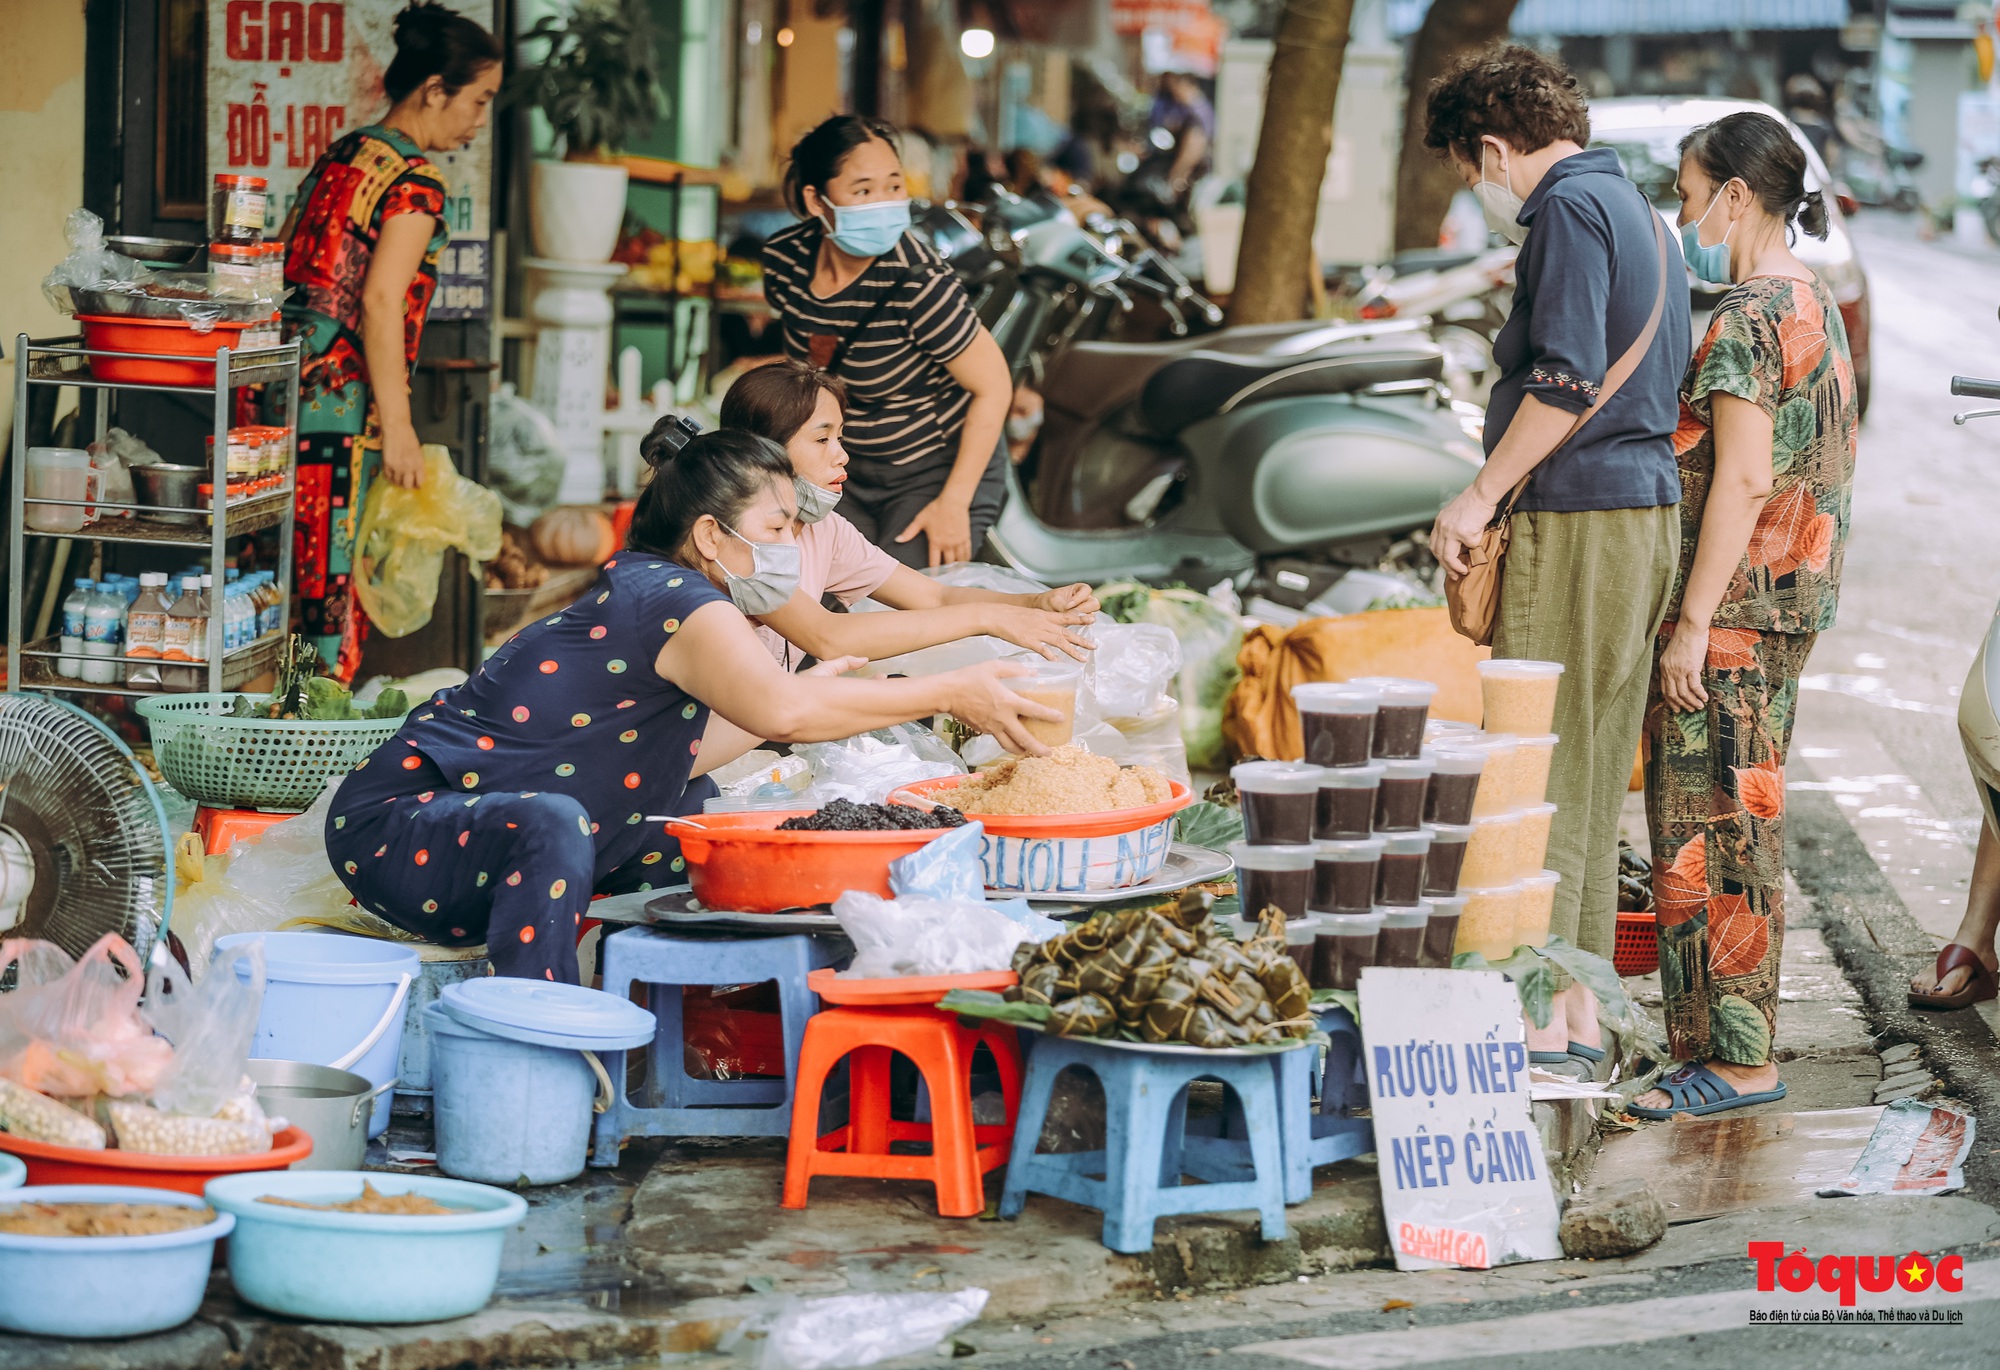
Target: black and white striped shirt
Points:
x,y
903,407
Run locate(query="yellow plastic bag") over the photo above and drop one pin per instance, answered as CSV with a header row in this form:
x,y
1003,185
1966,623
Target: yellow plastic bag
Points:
x,y
399,550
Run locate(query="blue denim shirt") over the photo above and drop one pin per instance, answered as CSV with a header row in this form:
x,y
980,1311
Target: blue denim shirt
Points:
x,y
1584,286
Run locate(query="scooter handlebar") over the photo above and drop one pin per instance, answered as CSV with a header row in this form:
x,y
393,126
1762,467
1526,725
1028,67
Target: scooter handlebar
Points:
x,y
1975,388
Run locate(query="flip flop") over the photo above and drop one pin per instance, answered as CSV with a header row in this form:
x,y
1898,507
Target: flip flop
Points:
x,y
1584,1053
1697,1090
1980,986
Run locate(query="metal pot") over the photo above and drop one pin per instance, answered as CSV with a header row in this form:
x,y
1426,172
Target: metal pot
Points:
x,y
331,1105
171,487
153,251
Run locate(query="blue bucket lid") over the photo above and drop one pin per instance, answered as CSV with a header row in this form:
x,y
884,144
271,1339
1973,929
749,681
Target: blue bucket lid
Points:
x,y
547,1014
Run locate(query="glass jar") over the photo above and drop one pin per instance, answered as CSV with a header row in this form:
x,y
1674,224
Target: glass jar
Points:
x,y
236,210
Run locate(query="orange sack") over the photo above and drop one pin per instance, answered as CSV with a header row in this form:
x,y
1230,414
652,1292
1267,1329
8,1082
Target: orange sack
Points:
x,y
1419,643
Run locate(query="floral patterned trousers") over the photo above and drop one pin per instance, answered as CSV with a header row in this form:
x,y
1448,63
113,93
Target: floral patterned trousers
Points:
x,y
1715,811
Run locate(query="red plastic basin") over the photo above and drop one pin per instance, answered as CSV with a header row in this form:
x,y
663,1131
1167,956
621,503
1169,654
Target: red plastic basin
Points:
x,y
741,863
50,1164
164,340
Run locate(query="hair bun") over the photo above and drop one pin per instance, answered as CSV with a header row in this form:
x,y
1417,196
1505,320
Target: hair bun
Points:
x,y
660,446
420,16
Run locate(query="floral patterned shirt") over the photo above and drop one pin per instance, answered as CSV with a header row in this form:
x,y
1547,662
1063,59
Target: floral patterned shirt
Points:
x,y
1778,343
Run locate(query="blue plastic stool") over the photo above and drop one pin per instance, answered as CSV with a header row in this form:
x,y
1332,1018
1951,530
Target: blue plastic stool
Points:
x,y
683,1106
1147,1149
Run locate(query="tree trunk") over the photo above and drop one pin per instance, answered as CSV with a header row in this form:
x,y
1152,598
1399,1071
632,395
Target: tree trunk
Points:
x,y
1424,183
1281,201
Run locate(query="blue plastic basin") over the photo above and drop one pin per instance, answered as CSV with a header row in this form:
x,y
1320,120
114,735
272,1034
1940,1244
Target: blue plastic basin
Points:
x,y
13,1171
105,1286
364,1267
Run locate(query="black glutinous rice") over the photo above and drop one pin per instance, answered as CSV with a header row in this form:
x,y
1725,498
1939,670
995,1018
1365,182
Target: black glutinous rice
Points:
x,y
844,815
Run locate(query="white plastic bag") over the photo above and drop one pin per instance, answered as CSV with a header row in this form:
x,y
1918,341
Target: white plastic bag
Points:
x,y
1133,670
925,936
1209,633
861,1329
867,767
89,264
262,883
211,1026
966,651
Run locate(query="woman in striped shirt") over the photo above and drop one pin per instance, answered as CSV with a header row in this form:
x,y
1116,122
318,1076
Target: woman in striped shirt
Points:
x,y
928,389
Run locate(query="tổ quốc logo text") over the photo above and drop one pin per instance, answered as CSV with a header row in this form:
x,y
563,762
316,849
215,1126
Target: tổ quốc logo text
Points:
x,y
1846,1276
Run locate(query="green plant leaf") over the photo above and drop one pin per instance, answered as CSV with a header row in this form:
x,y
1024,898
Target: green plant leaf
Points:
x,y
1209,825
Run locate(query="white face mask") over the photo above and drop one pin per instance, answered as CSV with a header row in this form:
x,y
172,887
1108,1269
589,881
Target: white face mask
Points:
x,y
773,578
1499,203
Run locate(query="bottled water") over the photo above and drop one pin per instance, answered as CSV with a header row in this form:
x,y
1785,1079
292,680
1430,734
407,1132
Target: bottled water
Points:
x,y
103,633
70,663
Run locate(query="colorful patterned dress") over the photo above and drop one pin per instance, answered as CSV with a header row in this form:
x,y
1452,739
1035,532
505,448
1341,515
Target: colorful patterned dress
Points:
x,y
1715,778
364,180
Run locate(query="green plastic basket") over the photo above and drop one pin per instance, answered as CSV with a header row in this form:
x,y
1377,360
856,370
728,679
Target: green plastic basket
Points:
x,y
253,763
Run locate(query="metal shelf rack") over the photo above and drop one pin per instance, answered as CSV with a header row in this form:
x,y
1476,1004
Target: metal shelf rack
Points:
x,y
66,362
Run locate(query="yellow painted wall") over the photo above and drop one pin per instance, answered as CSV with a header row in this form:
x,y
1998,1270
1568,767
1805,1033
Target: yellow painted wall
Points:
x,y
41,163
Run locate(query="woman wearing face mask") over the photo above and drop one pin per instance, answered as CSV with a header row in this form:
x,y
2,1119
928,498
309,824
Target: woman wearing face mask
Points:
x,y
802,409
501,806
1595,535
1766,448
927,387
362,245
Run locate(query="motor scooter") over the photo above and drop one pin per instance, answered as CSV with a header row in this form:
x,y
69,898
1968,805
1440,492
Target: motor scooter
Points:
x,y
1277,456
1467,297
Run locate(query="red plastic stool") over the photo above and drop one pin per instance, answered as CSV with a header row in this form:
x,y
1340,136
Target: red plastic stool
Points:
x,y
221,829
900,1021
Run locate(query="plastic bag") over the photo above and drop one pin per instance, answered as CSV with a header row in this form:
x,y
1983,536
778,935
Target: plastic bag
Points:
x,y
966,651
89,264
237,1128
861,1329
24,1113
280,876
73,1029
113,456
945,867
211,1026
399,551
524,461
1209,634
925,936
1133,670
865,768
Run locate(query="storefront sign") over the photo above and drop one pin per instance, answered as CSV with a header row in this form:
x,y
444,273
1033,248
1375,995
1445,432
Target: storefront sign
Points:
x,y
286,78
1464,1181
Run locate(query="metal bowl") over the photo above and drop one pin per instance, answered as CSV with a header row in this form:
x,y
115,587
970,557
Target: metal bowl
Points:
x,y
153,251
170,486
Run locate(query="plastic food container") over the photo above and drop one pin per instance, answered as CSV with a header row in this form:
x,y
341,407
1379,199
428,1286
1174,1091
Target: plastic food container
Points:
x,y
1538,902
1455,783
1268,876
1491,853
1533,757
1344,875
1486,925
1337,722
167,342
58,473
1497,781
364,1267
1401,879
1400,799
1402,940
1445,858
1279,800
1066,853
49,1164
1441,917
1346,810
105,1286
1344,948
1053,683
1520,696
1531,845
1405,710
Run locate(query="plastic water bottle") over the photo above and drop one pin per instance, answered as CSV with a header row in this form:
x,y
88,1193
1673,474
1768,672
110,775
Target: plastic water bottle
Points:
x,y
146,630
238,627
70,663
186,636
103,632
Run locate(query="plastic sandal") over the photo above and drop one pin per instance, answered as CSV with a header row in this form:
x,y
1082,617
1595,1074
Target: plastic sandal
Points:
x,y
1584,1053
1697,1090
1980,986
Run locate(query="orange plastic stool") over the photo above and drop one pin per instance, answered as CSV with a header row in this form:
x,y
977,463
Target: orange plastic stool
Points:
x,y
961,1151
222,828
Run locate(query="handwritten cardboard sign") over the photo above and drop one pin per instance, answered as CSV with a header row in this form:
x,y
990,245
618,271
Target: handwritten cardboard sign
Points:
x,y
1464,1181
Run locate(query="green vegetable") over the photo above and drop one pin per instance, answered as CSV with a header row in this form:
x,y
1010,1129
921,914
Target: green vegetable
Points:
x,y
241,707
391,703
327,701
1209,825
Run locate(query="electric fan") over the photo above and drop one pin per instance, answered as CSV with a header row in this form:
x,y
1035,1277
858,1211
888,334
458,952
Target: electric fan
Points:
x,y
83,836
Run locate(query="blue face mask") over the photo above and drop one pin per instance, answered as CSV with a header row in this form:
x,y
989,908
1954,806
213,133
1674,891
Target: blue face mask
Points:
x,y
1710,264
869,230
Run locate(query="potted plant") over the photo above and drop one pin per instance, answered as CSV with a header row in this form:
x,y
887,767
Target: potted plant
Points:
x,y
598,86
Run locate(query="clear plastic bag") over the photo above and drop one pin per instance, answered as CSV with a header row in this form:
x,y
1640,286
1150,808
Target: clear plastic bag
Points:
x,y
925,936
90,263
404,533
524,461
260,884
237,1128
1209,633
966,651
113,456
74,1029
862,1329
945,867
211,1026
865,768
38,1118
1133,670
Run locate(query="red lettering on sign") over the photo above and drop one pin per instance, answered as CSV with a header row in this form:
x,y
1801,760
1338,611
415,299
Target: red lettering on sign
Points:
x,y
244,33
288,31
326,31
1448,1245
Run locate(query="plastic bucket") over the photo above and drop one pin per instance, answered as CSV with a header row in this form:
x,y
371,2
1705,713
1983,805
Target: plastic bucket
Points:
x,y
105,1286
507,1111
326,994
442,966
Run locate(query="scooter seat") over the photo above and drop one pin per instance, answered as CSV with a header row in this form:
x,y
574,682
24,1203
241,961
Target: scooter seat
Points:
x,y
1193,387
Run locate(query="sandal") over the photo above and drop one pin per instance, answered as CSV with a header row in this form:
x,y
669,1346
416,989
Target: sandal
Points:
x,y
1697,1090
1980,986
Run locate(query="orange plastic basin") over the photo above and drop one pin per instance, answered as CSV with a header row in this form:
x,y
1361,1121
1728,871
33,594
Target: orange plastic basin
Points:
x,y
740,863
903,990
1107,823
164,340
50,1164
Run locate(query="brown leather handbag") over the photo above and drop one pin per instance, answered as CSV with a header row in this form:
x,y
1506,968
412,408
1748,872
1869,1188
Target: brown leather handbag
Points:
x,y
1473,599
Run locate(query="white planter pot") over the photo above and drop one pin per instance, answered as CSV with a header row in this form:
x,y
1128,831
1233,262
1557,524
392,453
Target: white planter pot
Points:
x,y
576,208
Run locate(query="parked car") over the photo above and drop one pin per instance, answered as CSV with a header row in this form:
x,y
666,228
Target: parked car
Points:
x,y
1646,133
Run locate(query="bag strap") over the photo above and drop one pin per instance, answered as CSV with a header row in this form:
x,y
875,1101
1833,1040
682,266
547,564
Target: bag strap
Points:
x,y
1621,370
867,321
